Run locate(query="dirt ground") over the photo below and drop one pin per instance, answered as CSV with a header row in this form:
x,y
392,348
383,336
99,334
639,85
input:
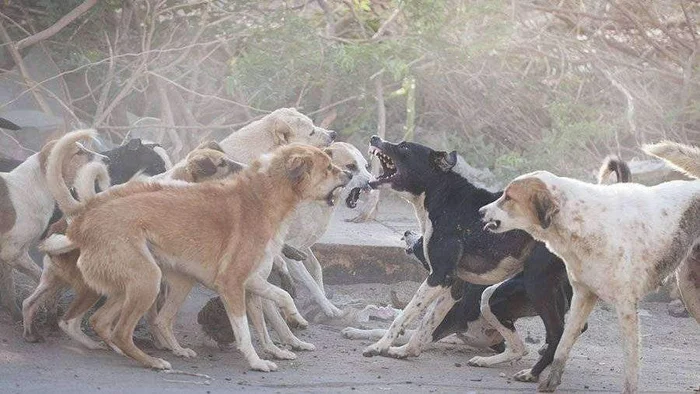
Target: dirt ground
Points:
x,y
671,359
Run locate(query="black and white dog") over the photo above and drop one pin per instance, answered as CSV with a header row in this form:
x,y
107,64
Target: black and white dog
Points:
x,y
467,263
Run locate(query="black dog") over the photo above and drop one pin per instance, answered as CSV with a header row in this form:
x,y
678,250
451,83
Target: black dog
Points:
x,y
458,250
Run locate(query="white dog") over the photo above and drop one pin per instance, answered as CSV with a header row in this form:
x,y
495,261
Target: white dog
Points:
x,y
618,243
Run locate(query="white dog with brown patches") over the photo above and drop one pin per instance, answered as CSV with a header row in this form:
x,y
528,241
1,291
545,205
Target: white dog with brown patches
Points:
x,y
619,242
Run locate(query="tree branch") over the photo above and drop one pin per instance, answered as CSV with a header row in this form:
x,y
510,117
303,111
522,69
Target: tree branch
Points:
x,y
56,27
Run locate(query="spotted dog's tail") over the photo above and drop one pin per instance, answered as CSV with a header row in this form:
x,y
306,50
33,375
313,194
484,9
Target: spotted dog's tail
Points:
x,y
684,158
613,164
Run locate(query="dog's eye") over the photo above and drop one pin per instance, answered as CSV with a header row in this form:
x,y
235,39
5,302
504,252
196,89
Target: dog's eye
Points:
x,y
351,167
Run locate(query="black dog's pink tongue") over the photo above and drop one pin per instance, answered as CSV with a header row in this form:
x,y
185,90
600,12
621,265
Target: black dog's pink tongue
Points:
x,y
351,200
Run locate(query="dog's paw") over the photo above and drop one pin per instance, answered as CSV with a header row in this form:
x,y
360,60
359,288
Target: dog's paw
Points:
x,y
184,352
372,350
281,354
402,352
550,384
479,361
350,333
299,321
526,376
332,311
301,345
159,363
263,366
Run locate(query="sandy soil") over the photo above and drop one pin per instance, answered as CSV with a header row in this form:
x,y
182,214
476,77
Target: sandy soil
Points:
x,y
671,359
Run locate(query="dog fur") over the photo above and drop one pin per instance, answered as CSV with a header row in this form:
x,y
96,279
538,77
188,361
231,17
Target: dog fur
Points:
x,y
228,242
26,206
582,223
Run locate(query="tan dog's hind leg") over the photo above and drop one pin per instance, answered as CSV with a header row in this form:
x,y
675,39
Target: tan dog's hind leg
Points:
x,y
277,322
27,266
72,319
103,319
139,295
254,309
179,287
259,286
582,304
233,296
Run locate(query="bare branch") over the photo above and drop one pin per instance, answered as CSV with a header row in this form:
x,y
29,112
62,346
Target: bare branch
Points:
x,y
56,27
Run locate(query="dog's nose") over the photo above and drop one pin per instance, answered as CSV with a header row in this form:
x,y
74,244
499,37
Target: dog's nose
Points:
x,y
407,233
374,139
332,135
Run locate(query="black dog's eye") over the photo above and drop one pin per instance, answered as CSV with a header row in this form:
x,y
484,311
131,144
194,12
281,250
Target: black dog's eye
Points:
x,y
351,167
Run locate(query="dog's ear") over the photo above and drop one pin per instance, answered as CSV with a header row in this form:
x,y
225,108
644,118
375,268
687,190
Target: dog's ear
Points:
x,y
133,144
297,167
210,145
328,151
545,207
201,167
281,132
443,161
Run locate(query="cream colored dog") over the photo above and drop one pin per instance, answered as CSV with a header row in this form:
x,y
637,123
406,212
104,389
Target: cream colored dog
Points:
x,y
219,234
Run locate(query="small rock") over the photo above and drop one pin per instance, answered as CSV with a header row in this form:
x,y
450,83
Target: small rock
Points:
x,y
644,313
475,379
458,365
585,387
677,309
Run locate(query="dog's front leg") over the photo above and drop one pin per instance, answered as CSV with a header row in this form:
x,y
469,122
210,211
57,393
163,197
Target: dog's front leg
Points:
x,y
273,316
254,307
424,334
425,295
629,325
259,286
300,274
582,304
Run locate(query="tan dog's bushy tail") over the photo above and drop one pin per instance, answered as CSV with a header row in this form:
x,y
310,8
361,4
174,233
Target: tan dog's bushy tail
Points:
x,y
54,170
613,164
684,158
87,176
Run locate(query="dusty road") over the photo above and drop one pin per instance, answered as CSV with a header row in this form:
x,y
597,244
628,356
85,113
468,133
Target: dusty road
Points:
x,y
671,360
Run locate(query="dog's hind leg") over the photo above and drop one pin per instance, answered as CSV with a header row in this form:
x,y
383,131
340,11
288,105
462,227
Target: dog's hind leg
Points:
x,y
50,283
179,286
254,308
277,322
515,348
423,297
259,286
688,279
24,264
582,304
7,291
300,274
629,324
424,334
102,320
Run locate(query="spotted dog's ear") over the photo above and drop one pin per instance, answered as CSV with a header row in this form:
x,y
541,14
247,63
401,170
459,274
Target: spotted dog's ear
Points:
x,y
201,167
545,207
443,161
134,144
213,145
298,167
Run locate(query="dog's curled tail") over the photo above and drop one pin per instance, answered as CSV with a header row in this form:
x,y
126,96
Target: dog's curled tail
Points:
x,y
684,158
57,244
87,176
54,169
613,164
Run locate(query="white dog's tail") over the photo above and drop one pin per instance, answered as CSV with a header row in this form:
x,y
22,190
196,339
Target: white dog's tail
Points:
x,y
87,176
613,164
684,158
54,171
57,244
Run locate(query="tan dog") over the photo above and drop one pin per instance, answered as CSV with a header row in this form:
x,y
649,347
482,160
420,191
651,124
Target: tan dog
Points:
x,y
26,205
221,245
206,162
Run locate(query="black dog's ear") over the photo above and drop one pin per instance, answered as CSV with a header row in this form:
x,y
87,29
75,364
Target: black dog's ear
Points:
x,y
133,144
545,208
443,161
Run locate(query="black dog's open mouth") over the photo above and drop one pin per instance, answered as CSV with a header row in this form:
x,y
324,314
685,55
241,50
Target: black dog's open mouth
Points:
x,y
389,169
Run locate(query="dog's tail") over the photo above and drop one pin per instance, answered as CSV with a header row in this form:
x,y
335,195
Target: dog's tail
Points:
x,y
613,164
87,176
684,158
57,244
54,170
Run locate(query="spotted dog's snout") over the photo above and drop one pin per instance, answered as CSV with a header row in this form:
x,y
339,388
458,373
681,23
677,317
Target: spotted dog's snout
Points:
x,y
490,224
